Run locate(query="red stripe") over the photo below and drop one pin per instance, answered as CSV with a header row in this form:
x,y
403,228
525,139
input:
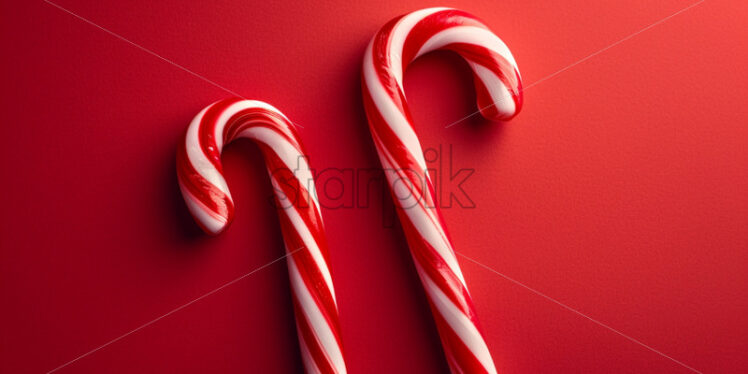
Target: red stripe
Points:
x,y
307,337
300,198
497,64
440,21
260,117
432,263
458,354
312,277
402,158
206,131
432,25
382,68
211,197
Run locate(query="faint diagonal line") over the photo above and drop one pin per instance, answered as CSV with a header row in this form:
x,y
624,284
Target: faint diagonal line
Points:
x,y
172,312
619,41
146,50
576,312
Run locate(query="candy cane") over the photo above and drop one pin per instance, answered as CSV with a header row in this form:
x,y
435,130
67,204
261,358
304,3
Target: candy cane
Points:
x,y
499,94
204,190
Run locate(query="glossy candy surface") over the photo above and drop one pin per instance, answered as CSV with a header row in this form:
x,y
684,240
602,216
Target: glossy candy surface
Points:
x,y
207,196
499,95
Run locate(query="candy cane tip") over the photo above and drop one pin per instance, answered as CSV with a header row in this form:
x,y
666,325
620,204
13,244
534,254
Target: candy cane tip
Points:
x,y
495,116
211,221
503,102
214,225
214,232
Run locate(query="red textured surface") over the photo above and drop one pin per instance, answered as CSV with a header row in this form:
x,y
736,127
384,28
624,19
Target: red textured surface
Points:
x,y
619,191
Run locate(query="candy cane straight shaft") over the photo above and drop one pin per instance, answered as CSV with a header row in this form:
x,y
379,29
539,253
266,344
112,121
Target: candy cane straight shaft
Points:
x,y
204,190
498,90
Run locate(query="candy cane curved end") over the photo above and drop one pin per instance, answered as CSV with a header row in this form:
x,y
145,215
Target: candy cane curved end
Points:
x,y
199,169
498,88
498,83
204,189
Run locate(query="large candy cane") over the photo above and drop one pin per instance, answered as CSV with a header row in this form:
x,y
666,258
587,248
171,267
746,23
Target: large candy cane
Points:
x,y
204,190
499,94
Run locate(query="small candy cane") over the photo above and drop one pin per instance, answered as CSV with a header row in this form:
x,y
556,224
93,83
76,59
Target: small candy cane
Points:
x,y
204,190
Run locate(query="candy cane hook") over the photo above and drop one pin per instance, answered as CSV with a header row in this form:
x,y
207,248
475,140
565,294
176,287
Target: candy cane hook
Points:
x,y
499,93
204,190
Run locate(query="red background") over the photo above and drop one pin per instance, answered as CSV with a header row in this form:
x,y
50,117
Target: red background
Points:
x,y
619,191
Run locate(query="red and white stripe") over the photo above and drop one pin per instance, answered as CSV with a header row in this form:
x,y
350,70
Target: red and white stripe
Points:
x,y
204,190
499,93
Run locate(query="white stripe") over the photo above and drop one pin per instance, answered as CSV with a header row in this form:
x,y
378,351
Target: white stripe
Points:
x,y
289,154
202,213
500,95
308,239
197,158
389,111
237,107
306,356
426,224
468,34
317,321
399,35
195,154
459,322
